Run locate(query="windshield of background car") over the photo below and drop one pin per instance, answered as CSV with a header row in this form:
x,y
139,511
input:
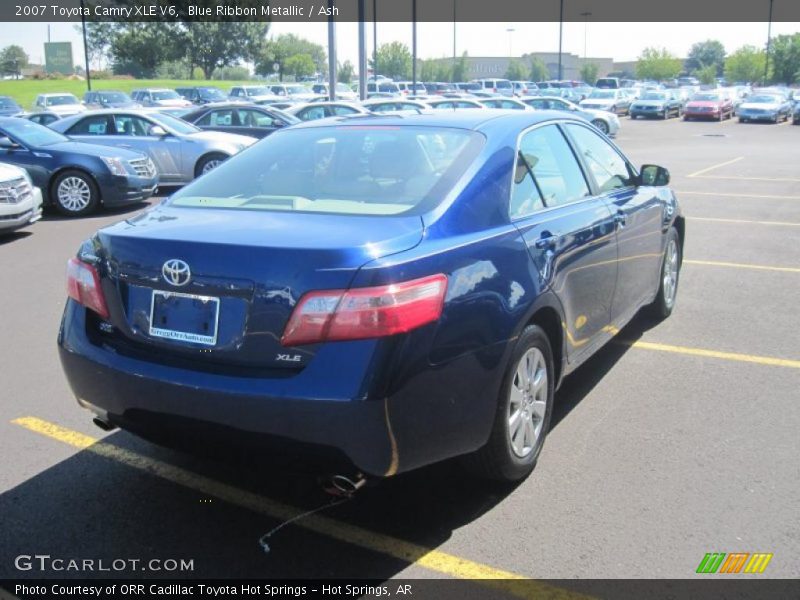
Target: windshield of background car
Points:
x,y
346,170
603,94
258,91
706,97
8,103
653,96
165,95
212,94
763,100
113,97
33,134
174,123
61,100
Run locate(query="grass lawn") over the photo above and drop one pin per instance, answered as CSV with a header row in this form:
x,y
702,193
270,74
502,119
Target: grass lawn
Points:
x,y
24,91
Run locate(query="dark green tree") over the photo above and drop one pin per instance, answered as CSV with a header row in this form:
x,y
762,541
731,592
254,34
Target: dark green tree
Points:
x,y
704,54
12,60
394,60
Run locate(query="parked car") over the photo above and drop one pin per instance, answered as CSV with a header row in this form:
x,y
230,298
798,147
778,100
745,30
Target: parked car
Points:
x,y
608,83
439,88
468,86
322,110
503,87
293,91
605,121
453,103
612,100
9,107
245,119
524,88
708,105
179,150
159,97
199,95
765,107
450,291
62,105
343,92
74,177
796,114
407,88
385,86
109,99
383,105
257,94
42,118
503,102
20,200
657,104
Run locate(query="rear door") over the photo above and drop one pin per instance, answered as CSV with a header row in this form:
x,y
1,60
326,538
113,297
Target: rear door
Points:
x,y
569,233
133,132
638,214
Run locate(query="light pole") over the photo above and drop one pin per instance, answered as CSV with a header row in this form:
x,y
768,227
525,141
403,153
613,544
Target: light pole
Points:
x,y
585,16
510,31
769,43
560,38
375,40
85,49
362,51
331,51
414,45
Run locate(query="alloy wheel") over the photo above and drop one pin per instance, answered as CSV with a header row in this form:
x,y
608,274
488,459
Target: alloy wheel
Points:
x,y
528,402
670,274
74,194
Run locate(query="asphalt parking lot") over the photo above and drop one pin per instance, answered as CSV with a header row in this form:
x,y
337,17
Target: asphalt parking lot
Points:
x,y
676,440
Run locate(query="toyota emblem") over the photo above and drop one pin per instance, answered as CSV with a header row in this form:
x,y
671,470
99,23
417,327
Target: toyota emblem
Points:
x,y
176,272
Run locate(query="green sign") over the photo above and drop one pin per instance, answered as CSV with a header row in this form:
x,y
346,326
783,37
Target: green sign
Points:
x,y
58,58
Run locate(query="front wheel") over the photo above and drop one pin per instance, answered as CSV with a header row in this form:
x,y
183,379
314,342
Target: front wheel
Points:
x,y
208,163
524,408
662,306
666,114
601,125
75,193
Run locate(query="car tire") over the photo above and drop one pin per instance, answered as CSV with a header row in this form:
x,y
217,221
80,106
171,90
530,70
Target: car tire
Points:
x,y
669,276
601,125
742,120
507,457
74,193
666,114
209,162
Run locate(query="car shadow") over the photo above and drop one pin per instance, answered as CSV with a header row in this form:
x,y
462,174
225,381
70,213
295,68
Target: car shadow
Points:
x,y
126,503
51,214
14,236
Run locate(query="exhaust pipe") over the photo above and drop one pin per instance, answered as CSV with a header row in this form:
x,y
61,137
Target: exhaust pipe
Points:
x,y
104,424
344,486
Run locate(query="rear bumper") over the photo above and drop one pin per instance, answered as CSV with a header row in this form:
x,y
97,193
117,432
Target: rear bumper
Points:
x,y
117,191
345,409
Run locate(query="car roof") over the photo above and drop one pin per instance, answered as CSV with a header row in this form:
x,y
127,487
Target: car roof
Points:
x,y
474,119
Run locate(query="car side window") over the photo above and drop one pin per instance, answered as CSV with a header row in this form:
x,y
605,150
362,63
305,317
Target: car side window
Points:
x,y
317,112
555,171
343,110
254,118
219,118
608,168
96,125
131,125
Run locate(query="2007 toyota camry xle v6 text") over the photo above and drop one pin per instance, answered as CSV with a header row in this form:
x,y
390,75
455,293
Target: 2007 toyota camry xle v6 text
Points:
x,y
379,292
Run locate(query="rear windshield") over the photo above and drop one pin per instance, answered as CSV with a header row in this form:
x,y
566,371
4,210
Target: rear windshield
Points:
x,y
603,94
165,95
348,170
503,84
706,97
61,100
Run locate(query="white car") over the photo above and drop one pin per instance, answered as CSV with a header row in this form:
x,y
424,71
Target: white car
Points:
x,y
63,105
615,101
343,91
605,121
20,200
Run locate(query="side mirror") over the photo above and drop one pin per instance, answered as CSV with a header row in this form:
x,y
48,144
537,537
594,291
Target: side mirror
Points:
x,y
653,175
8,144
157,130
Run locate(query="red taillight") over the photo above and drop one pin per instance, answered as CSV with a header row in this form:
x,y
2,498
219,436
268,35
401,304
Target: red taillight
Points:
x,y
359,313
83,286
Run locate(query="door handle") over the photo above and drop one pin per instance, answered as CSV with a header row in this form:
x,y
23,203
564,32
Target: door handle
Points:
x,y
620,219
546,241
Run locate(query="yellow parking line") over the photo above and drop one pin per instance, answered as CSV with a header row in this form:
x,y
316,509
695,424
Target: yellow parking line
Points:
x,y
434,560
717,166
750,358
745,178
715,263
743,221
724,195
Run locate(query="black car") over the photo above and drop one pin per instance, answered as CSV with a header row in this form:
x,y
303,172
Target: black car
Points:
x,y
8,107
202,94
244,119
73,176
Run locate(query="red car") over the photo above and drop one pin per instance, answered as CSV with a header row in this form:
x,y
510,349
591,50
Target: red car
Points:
x,y
709,105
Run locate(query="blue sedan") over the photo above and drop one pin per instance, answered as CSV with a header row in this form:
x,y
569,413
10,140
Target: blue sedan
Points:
x,y
375,293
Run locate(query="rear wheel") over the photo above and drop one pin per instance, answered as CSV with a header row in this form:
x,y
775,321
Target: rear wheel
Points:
x,y
208,163
666,114
601,125
74,193
524,408
662,306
